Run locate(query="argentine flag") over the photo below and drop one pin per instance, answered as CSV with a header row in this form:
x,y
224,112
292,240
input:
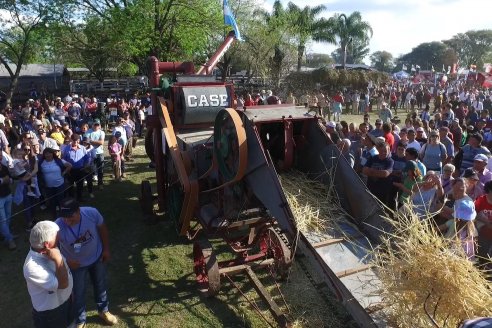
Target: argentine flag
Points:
x,y
230,20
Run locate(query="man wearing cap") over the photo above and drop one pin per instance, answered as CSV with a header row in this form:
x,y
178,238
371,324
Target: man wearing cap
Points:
x,y
44,141
48,278
378,170
84,242
385,114
480,166
96,137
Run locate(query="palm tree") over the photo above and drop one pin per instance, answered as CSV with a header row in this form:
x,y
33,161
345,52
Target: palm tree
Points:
x,y
349,28
305,26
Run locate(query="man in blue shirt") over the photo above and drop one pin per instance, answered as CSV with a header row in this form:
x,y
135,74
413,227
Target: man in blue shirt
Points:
x,y
79,159
84,242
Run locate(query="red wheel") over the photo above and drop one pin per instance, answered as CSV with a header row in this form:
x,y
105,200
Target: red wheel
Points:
x,y
272,245
206,268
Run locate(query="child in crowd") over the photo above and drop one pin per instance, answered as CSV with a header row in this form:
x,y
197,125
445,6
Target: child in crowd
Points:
x,y
20,171
115,150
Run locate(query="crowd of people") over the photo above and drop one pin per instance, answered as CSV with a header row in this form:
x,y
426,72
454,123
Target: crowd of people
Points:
x,y
52,159
55,148
436,162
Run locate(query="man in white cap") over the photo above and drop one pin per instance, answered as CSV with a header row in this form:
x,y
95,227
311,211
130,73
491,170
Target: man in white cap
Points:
x,y
480,166
48,278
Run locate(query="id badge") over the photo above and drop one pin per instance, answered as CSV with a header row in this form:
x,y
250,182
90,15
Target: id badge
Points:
x,y
76,247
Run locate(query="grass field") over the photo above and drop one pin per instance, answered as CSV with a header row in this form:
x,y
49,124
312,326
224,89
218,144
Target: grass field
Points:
x,y
151,280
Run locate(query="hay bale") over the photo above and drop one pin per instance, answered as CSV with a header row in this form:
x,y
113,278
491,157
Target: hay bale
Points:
x,y
425,275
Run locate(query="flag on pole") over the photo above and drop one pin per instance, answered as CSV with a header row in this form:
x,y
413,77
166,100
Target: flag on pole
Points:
x,y
443,69
413,68
432,69
449,70
404,67
230,20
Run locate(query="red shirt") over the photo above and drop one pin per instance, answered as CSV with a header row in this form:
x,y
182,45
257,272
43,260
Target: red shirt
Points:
x,y
390,139
481,205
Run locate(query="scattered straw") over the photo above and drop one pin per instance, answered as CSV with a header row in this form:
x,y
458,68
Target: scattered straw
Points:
x,y
427,280
315,206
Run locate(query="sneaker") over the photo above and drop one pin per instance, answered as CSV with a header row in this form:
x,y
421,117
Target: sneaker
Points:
x,y
43,207
91,195
30,193
108,318
12,245
94,178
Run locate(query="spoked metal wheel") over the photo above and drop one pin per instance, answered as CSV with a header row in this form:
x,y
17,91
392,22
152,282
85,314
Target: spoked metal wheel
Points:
x,y
206,268
271,244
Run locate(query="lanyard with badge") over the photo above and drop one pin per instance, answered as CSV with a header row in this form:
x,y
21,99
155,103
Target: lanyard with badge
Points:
x,y
76,246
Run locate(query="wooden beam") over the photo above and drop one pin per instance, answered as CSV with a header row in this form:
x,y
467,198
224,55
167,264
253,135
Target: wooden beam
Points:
x,y
352,271
328,242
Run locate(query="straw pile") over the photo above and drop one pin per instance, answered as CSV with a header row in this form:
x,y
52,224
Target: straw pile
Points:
x,y
315,206
427,280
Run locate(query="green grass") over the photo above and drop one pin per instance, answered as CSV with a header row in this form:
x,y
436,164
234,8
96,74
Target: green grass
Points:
x,y
151,280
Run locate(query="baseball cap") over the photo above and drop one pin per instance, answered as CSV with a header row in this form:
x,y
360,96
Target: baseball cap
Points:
x,y
85,140
434,133
470,174
465,210
56,123
38,122
331,124
43,231
481,157
378,121
97,121
68,207
420,129
54,147
117,134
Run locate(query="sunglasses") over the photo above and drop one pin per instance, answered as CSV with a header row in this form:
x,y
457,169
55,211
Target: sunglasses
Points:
x,y
27,149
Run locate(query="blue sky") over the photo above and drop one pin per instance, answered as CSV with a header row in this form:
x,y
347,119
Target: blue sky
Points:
x,y
400,25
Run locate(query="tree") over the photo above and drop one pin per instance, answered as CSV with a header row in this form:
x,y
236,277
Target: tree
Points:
x,y
382,61
471,47
318,60
305,25
349,29
429,54
19,23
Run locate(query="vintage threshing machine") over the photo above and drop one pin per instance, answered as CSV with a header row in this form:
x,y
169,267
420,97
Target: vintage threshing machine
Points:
x,y
217,178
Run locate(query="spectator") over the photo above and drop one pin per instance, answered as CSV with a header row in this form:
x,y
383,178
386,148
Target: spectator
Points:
x,y
411,154
140,123
378,131
412,143
48,279
474,188
385,114
465,157
344,147
79,159
56,133
461,215
447,177
421,137
96,136
84,242
52,172
480,167
448,143
425,195
378,169
6,205
433,154
115,150
412,176
90,168
483,206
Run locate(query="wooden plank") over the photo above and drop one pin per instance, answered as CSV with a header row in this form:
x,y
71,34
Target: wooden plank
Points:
x,y
352,271
328,242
